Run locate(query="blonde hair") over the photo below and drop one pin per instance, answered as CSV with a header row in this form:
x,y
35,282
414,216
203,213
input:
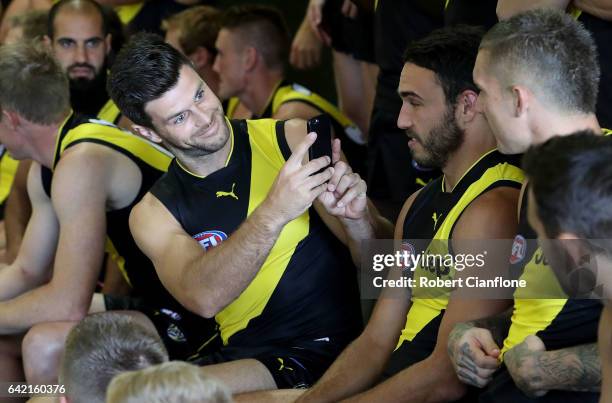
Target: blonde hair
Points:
x,y
170,382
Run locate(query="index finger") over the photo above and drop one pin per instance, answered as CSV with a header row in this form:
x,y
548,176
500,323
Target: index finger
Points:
x,y
336,150
298,154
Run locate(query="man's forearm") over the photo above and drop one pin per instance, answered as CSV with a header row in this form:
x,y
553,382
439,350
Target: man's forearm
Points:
x,y
219,276
430,380
355,370
15,281
43,304
371,226
575,368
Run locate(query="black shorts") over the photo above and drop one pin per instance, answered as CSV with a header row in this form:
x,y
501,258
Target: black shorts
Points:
x,y
297,366
186,336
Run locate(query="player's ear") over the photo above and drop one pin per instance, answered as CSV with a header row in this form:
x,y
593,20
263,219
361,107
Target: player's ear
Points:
x,y
147,133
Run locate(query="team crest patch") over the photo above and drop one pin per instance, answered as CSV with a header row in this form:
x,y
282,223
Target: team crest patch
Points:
x,y
210,239
519,247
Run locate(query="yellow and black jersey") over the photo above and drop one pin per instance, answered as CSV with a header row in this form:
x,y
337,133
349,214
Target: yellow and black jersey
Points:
x,y
542,308
152,160
344,128
110,112
306,288
8,169
431,220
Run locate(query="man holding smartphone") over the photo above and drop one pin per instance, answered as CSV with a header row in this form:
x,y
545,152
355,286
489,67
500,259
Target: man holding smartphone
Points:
x,y
242,228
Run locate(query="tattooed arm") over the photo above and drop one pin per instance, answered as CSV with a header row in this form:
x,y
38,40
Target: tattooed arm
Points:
x,y
473,348
536,371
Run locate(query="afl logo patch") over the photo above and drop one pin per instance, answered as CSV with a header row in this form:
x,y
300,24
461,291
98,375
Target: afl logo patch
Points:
x,y
174,333
407,250
210,239
519,247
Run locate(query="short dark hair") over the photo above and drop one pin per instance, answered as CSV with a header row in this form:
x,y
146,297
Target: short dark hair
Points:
x,y
145,69
571,180
264,28
449,52
199,27
32,83
102,346
75,4
552,52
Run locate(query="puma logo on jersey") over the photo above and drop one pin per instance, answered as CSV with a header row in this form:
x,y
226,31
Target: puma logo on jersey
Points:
x,y
435,217
221,193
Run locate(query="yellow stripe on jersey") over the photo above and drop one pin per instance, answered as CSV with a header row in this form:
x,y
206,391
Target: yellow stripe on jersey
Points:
x,y
8,169
232,104
127,12
109,112
266,161
97,130
424,310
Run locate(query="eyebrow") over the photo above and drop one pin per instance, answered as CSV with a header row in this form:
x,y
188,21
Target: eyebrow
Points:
x,y
174,115
406,94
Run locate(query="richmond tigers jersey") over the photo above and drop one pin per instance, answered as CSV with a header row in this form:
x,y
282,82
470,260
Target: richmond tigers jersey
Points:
x,y
306,288
543,308
110,112
433,216
152,161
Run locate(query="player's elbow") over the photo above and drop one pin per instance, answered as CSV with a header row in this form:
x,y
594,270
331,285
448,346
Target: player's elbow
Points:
x,y
32,277
201,304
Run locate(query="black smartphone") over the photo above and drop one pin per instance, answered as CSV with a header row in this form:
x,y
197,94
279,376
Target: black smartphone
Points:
x,y
323,144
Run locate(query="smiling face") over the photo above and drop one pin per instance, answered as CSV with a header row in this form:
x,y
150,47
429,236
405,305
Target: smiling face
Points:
x,y
79,43
189,118
426,117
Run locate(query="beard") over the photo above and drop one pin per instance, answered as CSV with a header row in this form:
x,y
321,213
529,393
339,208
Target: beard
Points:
x,y
442,141
88,96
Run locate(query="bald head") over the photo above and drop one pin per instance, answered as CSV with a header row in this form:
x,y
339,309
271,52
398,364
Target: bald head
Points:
x,y
63,8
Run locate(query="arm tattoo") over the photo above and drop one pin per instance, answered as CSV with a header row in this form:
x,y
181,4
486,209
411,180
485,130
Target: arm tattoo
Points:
x,y
576,368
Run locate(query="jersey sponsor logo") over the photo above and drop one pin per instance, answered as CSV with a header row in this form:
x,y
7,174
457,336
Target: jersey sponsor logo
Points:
x,y
175,334
210,239
231,193
519,248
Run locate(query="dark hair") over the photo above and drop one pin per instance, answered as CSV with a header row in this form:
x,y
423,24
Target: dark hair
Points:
x,y
552,52
571,180
262,27
32,83
117,31
145,69
77,5
102,346
450,53
199,27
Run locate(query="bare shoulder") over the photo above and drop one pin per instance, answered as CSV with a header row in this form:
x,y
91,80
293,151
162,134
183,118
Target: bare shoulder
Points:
x,y
491,215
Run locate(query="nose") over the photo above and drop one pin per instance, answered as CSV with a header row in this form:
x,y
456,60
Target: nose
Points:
x,y
216,67
81,54
203,116
404,119
479,107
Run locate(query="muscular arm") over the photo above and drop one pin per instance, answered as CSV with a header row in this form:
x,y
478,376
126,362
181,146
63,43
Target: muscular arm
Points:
x,y
508,8
348,375
32,265
207,281
18,211
491,216
536,371
79,196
